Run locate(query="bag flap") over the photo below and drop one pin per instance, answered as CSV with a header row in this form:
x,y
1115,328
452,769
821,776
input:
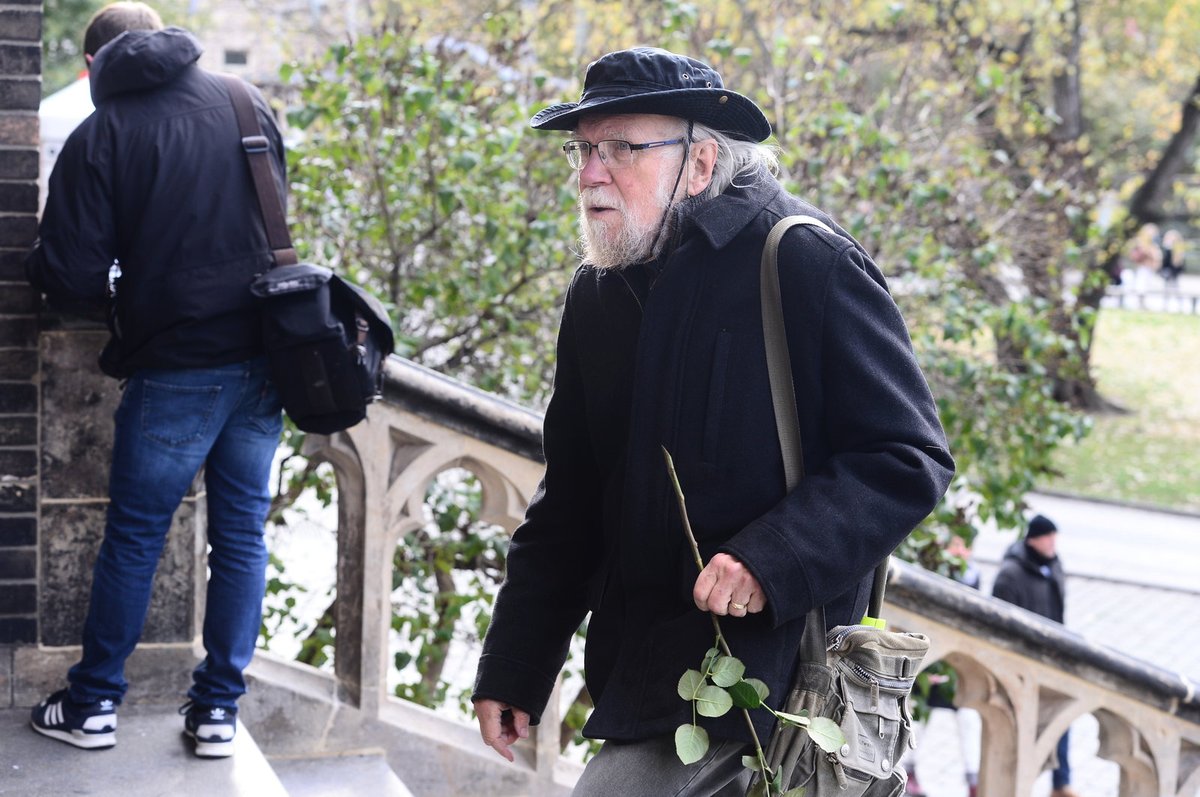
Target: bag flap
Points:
x,y
893,657
370,308
289,279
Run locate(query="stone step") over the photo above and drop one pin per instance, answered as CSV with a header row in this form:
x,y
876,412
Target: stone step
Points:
x,y
152,758
344,775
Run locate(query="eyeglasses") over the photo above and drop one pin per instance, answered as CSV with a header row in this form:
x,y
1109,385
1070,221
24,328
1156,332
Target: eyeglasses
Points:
x,y
614,153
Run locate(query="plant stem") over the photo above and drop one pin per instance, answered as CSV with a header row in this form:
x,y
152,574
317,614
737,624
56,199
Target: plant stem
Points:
x,y
716,623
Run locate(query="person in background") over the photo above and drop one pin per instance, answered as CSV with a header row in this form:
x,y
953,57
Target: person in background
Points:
x,y
1031,576
1172,264
1146,256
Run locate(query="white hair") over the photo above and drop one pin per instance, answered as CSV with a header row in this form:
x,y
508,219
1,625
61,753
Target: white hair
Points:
x,y
739,162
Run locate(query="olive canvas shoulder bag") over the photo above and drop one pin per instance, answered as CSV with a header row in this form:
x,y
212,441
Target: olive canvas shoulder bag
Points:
x,y
859,676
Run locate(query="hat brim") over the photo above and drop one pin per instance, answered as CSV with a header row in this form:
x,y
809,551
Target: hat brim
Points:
x,y
722,110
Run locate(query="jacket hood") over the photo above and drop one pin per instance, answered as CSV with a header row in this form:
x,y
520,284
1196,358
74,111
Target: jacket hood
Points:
x,y
141,59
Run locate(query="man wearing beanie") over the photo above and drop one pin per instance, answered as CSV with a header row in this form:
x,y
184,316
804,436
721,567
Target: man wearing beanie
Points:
x,y
1031,576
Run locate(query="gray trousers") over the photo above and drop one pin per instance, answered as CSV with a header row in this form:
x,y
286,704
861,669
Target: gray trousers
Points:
x,y
650,769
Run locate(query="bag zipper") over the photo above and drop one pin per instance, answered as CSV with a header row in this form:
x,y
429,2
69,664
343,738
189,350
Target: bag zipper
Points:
x,y
876,682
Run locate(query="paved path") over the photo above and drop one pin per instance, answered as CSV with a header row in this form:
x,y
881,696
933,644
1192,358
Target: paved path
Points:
x,y
1132,573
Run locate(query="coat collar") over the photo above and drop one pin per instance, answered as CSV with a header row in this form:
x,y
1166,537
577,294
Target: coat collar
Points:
x,y
722,218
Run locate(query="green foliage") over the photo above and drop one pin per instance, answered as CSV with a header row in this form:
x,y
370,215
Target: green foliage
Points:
x,y
419,178
275,613
691,743
445,574
63,25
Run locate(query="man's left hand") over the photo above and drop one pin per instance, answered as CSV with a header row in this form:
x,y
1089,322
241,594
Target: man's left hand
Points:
x,y
726,587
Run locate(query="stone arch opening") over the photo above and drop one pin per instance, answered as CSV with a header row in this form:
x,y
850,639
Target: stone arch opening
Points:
x,y
986,742
447,564
1100,746
302,534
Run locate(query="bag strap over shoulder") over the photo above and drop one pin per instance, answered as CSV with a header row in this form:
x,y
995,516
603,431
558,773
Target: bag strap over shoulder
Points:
x,y
256,147
787,422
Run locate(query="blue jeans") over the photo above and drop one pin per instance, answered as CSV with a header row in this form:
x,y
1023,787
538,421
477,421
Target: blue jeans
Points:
x,y
170,423
1061,776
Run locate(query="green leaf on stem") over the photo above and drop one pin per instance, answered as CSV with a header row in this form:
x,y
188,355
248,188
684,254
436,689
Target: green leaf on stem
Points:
x,y
691,743
709,658
752,763
799,720
826,733
727,671
690,684
713,701
748,693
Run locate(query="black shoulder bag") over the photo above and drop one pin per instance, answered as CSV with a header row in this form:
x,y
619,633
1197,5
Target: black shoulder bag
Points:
x,y
859,676
326,339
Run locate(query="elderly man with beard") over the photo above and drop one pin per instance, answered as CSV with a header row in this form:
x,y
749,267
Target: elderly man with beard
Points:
x,y
661,344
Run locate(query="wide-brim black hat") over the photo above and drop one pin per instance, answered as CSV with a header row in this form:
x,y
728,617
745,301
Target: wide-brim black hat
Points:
x,y
650,80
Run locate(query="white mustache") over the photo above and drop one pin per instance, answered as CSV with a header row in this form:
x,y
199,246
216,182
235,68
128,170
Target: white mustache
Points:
x,y
597,198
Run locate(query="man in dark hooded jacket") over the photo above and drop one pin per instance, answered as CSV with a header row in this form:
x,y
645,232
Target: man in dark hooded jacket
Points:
x,y
661,344
1031,576
151,212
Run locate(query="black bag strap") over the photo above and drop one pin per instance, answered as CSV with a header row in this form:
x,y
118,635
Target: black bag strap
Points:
x,y
787,423
257,149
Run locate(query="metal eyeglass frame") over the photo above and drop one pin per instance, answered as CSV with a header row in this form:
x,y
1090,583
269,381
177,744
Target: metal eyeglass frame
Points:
x,y
579,152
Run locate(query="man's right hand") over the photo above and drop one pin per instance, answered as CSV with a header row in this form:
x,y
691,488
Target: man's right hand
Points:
x,y
501,725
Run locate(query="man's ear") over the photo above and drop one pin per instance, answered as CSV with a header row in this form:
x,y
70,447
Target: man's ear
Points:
x,y
703,160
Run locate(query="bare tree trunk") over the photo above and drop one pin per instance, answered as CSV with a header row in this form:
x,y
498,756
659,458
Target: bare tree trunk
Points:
x,y
1148,201
1075,389
1068,99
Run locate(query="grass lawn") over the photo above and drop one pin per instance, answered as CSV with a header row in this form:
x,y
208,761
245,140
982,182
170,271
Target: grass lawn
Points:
x,y
1150,364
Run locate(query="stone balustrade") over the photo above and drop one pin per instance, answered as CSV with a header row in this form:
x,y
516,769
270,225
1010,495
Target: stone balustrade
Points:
x,y
1028,678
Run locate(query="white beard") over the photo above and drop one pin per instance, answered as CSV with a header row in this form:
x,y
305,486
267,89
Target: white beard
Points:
x,y
614,244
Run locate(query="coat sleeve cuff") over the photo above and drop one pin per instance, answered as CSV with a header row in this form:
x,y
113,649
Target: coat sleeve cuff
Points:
x,y
513,682
779,572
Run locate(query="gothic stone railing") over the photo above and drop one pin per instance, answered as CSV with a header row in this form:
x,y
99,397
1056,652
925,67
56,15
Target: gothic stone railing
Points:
x,y
1028,678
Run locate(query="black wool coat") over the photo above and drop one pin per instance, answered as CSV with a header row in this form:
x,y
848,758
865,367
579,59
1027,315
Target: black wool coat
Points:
x,y
686,368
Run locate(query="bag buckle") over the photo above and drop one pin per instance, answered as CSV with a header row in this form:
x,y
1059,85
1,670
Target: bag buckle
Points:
x,y
254,144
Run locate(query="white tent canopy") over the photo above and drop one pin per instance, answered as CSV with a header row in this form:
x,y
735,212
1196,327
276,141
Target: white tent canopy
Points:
x,y
59,114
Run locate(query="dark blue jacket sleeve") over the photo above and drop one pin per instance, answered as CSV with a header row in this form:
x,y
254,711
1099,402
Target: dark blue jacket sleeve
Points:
x,y
76,239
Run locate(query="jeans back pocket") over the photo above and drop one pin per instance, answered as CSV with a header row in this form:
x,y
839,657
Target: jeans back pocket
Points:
x,y
175,415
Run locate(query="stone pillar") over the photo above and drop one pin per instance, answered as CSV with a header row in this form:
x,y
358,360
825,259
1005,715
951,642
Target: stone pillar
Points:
x,y
20,91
